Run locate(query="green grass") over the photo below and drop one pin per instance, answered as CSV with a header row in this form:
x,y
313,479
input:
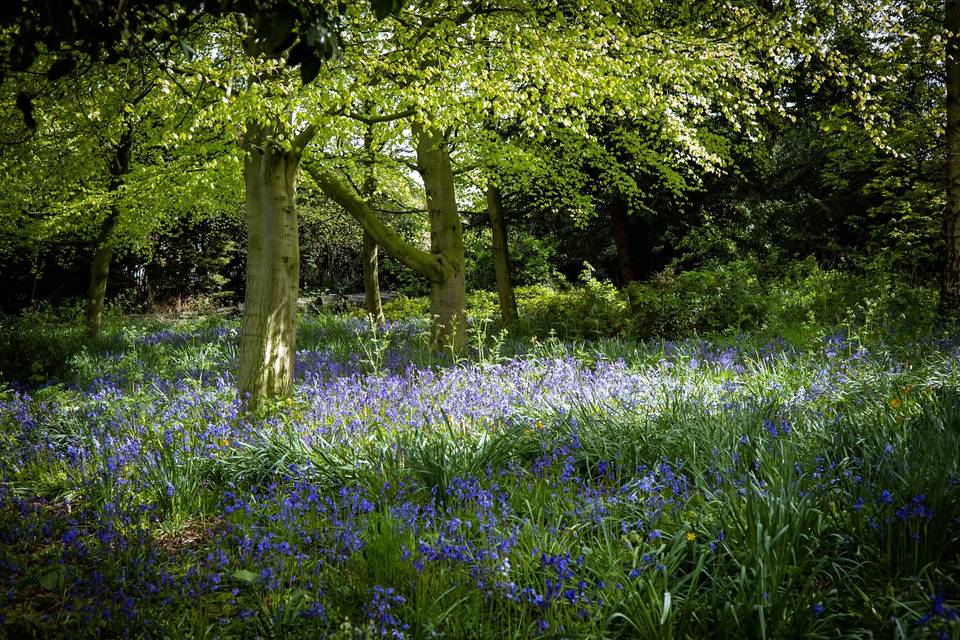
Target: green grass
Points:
x,y
612,488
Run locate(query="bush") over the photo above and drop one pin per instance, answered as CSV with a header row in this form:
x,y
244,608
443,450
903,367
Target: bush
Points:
x,y
875,299
592,309
483,306
727,297
806,294
38,345
402,308
714,299
531,259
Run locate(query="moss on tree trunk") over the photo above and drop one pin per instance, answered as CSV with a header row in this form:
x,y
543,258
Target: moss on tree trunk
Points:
x,y
269,329
448,304
103,251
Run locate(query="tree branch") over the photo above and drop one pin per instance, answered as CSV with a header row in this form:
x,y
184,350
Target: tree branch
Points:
x,y
303,138
367,119
467,168
434,267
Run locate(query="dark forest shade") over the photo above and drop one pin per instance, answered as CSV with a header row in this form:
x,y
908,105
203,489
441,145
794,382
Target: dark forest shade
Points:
x,y
950,291
501,257
620,221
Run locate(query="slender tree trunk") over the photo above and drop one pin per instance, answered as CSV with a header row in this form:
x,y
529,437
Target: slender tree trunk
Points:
x,y
268,333
36,280
950,291
447,296
103,252
99,273
433,266
371,249
371,278
620,221
501,258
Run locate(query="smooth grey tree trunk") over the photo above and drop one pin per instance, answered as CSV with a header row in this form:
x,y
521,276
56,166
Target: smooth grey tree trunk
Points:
x,y
448,304
501,258
269,330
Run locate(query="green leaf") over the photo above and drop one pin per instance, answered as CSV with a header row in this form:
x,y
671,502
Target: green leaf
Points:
x,y
244,575
667,600
384,8
52,580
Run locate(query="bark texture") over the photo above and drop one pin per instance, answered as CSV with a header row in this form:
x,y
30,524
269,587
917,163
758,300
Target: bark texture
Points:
x,y
99,274
950,289
448,304
268,332
501,258
620,221
269,327
371,261
103,252
371,278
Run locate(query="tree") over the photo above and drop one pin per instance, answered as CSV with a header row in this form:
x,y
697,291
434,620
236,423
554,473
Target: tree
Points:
x,y
448,304
300,35
103,247
452,72
369,257
950,290
441,73
273,145
102,132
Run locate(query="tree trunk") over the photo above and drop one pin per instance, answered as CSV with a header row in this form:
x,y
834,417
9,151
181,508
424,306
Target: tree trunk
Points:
x,y
432,266
371,278
103,252
448,303
620,221
950,290
501,258
371,263
268,333
99,272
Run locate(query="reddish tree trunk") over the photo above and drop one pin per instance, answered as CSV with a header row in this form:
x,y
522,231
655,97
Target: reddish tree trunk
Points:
x,y
620,220
950,288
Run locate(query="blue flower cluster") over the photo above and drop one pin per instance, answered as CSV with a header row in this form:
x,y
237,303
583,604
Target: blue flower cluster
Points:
x,y
702,486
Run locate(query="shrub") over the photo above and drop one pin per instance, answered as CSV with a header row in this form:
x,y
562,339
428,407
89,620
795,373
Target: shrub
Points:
x,y
714,299
590,310
402,308
875,299
720,298
37,345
